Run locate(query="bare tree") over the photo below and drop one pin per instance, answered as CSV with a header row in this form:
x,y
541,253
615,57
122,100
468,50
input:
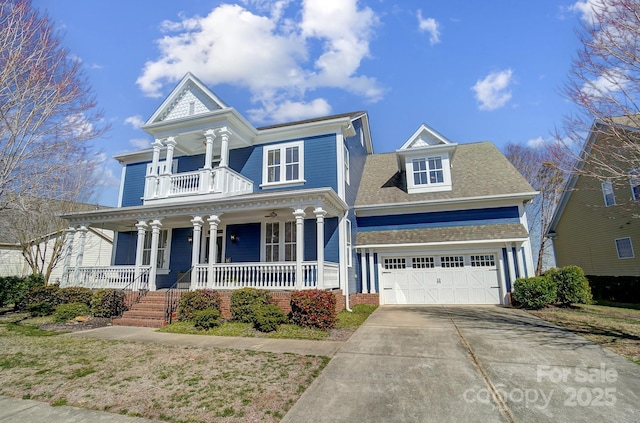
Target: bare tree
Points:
x,y
47,112
538,166
604,82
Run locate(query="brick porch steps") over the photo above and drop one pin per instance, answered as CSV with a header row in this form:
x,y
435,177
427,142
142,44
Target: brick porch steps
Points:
x,y
149,312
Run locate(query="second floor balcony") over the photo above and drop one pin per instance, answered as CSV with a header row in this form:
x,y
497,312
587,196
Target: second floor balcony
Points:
x,y
214,183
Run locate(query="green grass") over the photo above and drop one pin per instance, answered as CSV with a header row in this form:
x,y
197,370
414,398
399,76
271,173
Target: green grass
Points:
x,y
618,305
27,330
353,319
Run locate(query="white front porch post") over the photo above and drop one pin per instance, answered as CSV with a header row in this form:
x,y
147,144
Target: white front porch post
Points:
x,y
224,133
157,145
68,250
320,214
299,214
214,221
171,143
197,223
519,261
512,269
363,271
209,136
142,231
83,236
153,261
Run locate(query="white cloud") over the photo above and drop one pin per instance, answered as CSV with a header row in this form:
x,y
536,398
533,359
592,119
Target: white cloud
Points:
x,y
104,175
536,142
291,110
493,91
140,143
610,82
275,57
587,8
431,26
135,121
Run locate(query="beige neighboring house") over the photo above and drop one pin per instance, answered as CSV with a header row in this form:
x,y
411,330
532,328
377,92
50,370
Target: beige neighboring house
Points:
x,y
597,223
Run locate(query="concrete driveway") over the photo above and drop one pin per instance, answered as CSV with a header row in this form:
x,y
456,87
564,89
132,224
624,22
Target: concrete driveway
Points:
x,y
469,364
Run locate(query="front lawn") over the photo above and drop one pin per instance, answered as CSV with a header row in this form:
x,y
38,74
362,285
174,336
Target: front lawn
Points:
x,y
155,381
612,326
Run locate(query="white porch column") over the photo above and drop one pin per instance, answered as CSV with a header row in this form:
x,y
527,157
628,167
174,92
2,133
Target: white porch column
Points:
x,y
83,236
512,269
69,234
157,145
153,261
171,143
519,261
214,221
142,231
363,271
372,273
209,135
224,133
197,223
299,214
320,214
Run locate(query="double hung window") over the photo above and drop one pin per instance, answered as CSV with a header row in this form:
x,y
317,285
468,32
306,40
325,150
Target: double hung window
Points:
x,y
283,164
280,241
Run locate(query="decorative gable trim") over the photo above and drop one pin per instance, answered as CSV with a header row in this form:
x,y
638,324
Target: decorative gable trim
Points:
x,y
190,97
425,137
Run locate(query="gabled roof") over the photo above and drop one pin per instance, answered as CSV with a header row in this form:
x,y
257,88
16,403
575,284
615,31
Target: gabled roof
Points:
x,y
189,97
425,136
629,123
478,171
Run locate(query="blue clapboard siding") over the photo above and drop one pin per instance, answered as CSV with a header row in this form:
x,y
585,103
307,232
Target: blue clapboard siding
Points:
x,y
190,163
133,188
247,249
496,215
125,249
331,252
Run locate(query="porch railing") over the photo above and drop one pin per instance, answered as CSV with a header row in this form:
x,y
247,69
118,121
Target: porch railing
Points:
x,y
117,277
276,276
220,181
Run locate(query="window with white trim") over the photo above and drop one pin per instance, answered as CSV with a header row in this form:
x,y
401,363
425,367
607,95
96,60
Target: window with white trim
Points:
x,y
280,241
426,173
283,164
452,261
349,253
624,248
422,262
483,260
163,249
607,192
347,176
394,263
634,181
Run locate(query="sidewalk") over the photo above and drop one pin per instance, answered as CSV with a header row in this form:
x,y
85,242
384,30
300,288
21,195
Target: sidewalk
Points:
x,y
149,335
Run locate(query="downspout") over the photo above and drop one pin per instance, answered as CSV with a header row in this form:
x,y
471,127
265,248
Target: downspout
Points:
x,y
346,285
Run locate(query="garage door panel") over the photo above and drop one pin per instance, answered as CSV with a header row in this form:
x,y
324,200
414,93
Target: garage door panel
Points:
x,y
442,280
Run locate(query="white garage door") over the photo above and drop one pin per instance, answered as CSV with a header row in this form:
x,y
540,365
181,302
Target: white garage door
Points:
x,y
441,279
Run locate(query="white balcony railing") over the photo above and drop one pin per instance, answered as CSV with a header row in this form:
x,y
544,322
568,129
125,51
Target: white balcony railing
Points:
x,y
117,277
218,182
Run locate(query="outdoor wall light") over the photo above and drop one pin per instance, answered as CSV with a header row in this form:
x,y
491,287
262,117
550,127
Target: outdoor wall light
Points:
x,y
190,238
234,238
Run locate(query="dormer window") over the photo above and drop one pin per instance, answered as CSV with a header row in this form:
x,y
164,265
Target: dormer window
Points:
x,y
428,171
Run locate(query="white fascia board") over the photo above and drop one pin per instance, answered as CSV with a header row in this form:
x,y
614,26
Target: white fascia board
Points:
x,y
367,133
496,242
282,133
135,156
444,204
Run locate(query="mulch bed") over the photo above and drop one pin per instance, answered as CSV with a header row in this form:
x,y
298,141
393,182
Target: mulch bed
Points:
x,y
90,323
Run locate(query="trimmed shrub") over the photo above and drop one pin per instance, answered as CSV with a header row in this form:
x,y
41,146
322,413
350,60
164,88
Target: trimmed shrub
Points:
x,y
193,301
40,309
49,294
207,319
571,285
313,309
107,303
268,318
66,312
75,294
535,292
13,289
245,302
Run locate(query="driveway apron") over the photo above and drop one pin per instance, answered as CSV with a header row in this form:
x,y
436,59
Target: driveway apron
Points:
x,y
469,364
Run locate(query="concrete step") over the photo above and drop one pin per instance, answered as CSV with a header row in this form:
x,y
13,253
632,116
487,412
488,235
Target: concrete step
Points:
x,y
145,323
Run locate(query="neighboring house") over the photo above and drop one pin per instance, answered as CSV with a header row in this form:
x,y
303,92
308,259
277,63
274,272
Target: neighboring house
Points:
x,y
307,205
98,247
596,223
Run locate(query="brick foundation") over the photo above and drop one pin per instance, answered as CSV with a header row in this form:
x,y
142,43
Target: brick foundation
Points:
x,y
372,299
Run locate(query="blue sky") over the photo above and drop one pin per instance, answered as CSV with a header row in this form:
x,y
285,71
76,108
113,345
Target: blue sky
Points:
x,y
472,70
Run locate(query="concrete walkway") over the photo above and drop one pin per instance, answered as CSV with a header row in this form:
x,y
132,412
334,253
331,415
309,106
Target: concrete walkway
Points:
x,y
469,364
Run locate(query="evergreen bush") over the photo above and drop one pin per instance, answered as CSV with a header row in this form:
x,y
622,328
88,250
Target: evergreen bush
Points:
x,y
571,284
207,319
245,302
535,292
66,312
193,301
49,294
313,308
76,294
268,318
107,303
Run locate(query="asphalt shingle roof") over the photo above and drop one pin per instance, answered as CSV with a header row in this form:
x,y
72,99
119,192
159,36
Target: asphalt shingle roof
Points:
x,y
477,169
449,234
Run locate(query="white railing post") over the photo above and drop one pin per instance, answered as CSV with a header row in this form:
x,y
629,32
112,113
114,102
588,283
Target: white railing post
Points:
x,y
214,221
153,262
197,223
142,230
299,214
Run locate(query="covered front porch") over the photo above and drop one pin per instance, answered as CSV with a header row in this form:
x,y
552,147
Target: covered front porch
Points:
x,y
286,240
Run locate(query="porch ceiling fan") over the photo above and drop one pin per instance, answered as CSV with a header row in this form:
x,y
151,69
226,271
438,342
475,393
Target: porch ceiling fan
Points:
x,y
272,215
